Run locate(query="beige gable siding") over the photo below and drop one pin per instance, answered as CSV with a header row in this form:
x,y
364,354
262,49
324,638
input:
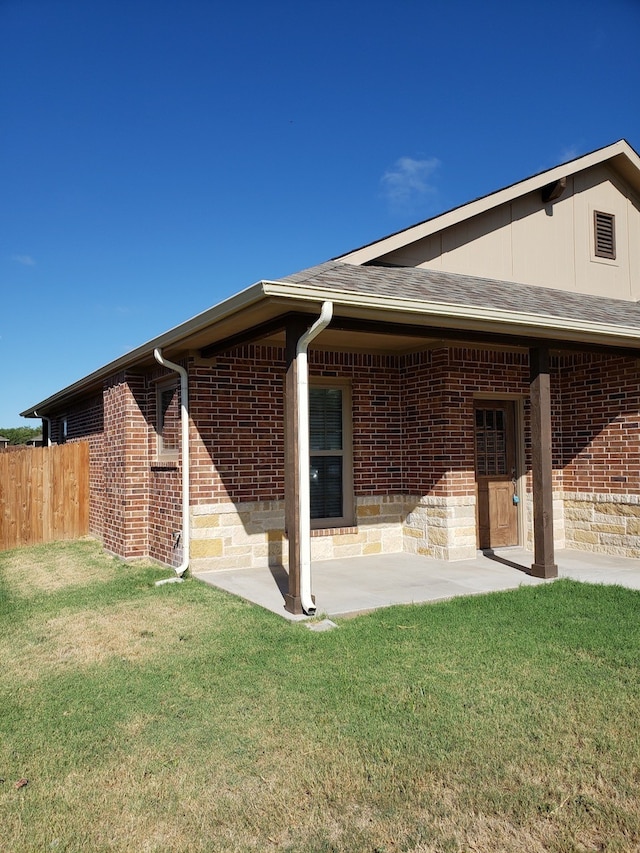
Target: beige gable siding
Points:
x,y
543,240
548,245
480,243
598,189
489,236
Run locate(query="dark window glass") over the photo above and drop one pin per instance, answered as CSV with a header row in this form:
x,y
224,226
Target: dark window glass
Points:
x,y
326,444
491,442
169,418
326,487
325,418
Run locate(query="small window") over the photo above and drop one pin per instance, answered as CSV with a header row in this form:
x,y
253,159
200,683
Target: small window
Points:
x,y
168,424
604,225
330,456
491,442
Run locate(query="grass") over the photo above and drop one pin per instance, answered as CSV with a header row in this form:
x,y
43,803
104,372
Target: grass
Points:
x,y
178,718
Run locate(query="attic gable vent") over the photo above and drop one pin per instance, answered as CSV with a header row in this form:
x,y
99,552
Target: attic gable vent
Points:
x,y
605,235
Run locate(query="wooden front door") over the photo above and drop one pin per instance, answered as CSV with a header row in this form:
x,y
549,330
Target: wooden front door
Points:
x,y
496,476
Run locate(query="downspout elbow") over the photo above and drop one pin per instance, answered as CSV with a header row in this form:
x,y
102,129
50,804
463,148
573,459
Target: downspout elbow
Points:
x,y
48,420
326,313
184,444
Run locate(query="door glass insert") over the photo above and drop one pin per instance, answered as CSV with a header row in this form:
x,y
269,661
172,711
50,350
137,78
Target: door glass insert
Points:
x,y
491,442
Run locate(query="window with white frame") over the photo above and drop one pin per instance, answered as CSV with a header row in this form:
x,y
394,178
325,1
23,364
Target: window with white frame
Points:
x,y
168,419
331,486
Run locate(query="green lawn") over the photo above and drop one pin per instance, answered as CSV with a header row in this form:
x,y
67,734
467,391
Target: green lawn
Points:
x,y
178,718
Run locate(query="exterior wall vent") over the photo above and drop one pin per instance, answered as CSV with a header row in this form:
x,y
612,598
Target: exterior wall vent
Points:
x,y
605,235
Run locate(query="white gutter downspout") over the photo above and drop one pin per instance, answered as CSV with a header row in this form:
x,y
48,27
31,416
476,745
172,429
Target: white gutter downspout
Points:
x,y
48,420
304,479
184,420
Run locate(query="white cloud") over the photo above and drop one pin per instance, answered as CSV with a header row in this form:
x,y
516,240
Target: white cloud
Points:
x,y
25,260
570,152
408,183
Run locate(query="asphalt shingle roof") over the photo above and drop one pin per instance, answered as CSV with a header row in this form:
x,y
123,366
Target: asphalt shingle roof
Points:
x,y
451,288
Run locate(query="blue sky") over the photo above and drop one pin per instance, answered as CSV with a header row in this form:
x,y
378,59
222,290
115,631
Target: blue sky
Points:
x,y
157,156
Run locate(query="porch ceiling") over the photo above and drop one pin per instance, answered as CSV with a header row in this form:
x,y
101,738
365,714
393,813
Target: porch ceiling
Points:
x,y
349,332
364,340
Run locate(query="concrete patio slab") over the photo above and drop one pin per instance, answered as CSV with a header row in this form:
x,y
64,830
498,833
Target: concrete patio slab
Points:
x,y
359,584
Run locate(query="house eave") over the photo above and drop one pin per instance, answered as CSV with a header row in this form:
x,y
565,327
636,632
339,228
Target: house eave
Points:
x,y
275,297
459,317
170,341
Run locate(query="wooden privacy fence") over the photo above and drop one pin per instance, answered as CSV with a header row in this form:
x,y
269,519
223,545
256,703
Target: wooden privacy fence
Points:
x,y
44,494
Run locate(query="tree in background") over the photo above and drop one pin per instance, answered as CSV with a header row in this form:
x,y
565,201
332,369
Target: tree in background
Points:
x,y
19,435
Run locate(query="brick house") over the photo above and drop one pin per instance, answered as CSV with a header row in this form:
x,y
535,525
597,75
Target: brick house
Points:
x,y
473,383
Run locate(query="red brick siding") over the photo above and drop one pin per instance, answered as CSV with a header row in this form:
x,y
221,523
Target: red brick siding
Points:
x,y
412,419
237,409
601,424
126,466
165,477
438,394
412,431
165,514
237,406
376,416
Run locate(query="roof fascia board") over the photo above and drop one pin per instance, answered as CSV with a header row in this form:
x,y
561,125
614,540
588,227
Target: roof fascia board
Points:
x,y
463,316
371,251
222,310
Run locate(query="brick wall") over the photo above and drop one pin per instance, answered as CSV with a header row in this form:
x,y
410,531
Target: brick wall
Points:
x,y
237,407
237,410
165,514
126,466
601,424
412,441
601,428
376,416
164,520
439,387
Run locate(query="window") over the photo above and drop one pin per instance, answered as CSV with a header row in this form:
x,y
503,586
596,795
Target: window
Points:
x,y
168,425
491,442
604,228
330,456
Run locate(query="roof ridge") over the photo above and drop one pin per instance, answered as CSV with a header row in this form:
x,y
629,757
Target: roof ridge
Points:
x,y
485,196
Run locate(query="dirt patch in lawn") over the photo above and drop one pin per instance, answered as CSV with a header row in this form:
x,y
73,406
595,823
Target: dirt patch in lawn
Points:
x,y
129,631
51,568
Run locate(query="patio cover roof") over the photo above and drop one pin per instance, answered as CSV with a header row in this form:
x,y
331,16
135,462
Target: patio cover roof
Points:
x,y
454,289
411,298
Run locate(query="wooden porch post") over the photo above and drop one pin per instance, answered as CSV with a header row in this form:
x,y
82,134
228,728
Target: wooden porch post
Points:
x,y
544,565
295,328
